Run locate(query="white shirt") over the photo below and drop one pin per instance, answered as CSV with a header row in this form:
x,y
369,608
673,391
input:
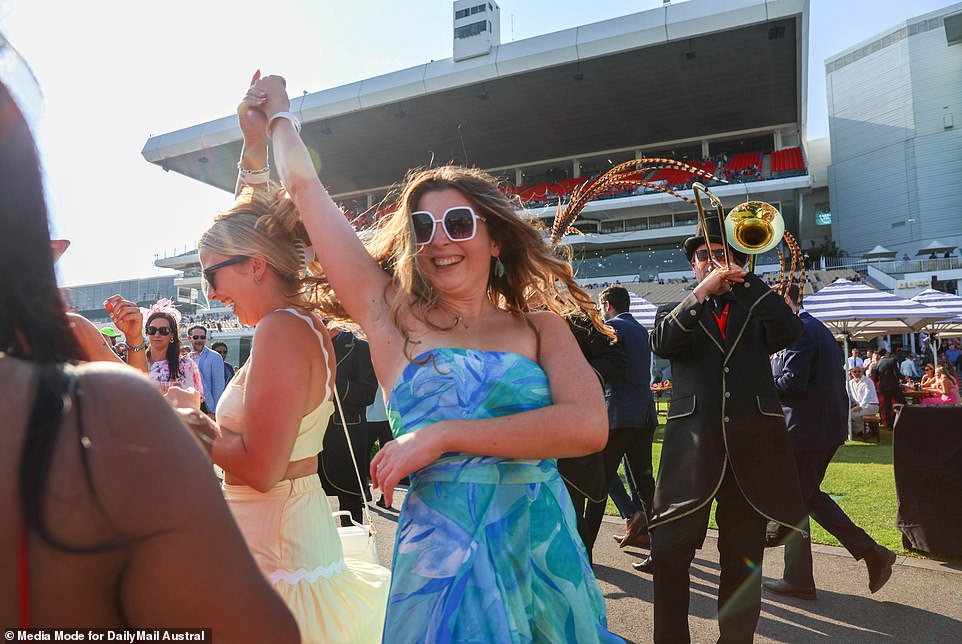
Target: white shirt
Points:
x,y
855,362
862,392
908,369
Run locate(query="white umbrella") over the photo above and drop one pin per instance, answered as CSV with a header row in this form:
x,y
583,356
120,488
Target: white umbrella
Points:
x,y
858,310
936,247
880,252
643,311
951,306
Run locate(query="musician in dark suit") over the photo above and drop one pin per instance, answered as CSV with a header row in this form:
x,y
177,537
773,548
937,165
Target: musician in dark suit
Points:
x,y
725,439
631,413
356,386
811,384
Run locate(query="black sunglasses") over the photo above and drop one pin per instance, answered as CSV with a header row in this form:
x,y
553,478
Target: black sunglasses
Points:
x,y
717,253
162,330
198,337
209,272
459,223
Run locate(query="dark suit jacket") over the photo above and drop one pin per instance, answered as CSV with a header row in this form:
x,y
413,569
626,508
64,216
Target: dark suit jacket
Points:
x,y
628,397
888,375
608,359
356,385
724,405
810,382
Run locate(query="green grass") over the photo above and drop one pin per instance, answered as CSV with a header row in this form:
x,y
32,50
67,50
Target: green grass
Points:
x,y
862,481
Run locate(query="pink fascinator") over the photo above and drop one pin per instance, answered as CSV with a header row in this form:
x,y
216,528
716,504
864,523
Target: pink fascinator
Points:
x,y
163,305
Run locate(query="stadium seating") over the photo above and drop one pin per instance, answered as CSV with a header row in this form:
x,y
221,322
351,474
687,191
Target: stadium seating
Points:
x,y
788,161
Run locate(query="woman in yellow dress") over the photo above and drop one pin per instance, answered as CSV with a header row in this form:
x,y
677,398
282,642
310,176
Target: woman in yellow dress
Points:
x,y
272,417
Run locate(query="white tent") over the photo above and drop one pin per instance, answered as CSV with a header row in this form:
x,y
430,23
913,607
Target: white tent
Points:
x,y
853,310
643,311
935,247
951,306
860,311
880,252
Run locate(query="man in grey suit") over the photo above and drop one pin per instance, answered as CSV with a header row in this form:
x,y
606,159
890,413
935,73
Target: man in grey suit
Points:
x,y
811,385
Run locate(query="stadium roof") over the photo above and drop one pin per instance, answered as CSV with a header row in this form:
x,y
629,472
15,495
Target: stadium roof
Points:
x,y
647,80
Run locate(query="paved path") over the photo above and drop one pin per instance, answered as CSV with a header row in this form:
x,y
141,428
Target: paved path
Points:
x,y
921,603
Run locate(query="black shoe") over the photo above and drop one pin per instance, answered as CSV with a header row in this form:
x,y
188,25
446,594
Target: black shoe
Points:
x,y
782,587
879,561
645,565
382,504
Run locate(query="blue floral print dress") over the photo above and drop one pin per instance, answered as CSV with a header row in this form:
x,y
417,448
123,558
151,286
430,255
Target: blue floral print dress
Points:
x,y
487,549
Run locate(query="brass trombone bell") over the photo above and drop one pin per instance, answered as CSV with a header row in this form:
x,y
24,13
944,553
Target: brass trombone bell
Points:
x,y
754,227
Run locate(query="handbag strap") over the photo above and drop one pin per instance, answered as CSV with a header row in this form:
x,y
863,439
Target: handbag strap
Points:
x,y
357,471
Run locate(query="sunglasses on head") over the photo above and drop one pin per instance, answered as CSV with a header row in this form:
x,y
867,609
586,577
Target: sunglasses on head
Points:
x,y
460,224
162,330
209,272
702,255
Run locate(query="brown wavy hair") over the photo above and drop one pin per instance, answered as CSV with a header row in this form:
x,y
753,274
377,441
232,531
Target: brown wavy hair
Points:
x,y
536,275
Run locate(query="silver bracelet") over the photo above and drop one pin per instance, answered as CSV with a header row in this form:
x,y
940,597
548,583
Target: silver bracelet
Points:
x,y
266,169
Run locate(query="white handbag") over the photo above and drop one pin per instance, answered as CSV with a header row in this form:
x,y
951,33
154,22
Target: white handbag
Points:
x,y
357,540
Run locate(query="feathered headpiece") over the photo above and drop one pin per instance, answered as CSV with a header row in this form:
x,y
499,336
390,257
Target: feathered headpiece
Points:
x,y
631,173
163,305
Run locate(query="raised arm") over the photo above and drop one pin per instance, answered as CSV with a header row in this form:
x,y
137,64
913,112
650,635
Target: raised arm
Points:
x,y
574,424
359,282
253,168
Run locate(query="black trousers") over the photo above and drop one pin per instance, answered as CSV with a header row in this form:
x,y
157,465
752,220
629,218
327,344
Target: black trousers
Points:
x,y
887,401
635,444
741,543
798,550
336,468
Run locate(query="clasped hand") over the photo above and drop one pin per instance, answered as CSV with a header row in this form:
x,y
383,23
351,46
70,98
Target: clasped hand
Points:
x,y
265,97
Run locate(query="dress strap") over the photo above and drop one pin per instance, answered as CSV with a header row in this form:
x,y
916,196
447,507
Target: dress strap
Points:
x,y
320,338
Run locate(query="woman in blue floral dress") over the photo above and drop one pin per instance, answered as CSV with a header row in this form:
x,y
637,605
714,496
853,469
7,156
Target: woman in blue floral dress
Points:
x,y
462,302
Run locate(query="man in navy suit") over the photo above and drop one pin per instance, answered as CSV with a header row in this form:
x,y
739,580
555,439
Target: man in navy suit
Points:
x,y
811,385
631,414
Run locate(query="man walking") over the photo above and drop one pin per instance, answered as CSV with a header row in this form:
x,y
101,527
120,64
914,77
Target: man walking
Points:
x,y
889,378
631,415
210,365
725,439
811,386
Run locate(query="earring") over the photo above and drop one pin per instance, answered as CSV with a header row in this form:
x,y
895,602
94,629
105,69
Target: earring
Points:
x,y
171,340
498,267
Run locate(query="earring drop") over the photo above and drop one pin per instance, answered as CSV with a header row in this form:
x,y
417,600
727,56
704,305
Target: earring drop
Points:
x,y
498,267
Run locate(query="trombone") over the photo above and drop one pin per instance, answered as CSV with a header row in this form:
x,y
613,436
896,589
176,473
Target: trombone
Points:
x,y
752,228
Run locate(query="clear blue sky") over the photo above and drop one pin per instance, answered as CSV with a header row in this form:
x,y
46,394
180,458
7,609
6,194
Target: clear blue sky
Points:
x,y
115,72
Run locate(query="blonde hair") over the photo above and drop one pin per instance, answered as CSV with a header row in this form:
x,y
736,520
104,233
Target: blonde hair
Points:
x,y
945,370
535,276
266,223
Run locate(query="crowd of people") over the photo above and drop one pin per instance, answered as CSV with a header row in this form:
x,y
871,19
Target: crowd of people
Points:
x,y
485,352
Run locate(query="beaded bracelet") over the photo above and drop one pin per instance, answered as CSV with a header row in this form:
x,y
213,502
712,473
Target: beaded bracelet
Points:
x,y
266,169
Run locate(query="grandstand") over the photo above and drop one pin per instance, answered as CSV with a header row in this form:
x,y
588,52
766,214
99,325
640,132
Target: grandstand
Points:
x,y
558,109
